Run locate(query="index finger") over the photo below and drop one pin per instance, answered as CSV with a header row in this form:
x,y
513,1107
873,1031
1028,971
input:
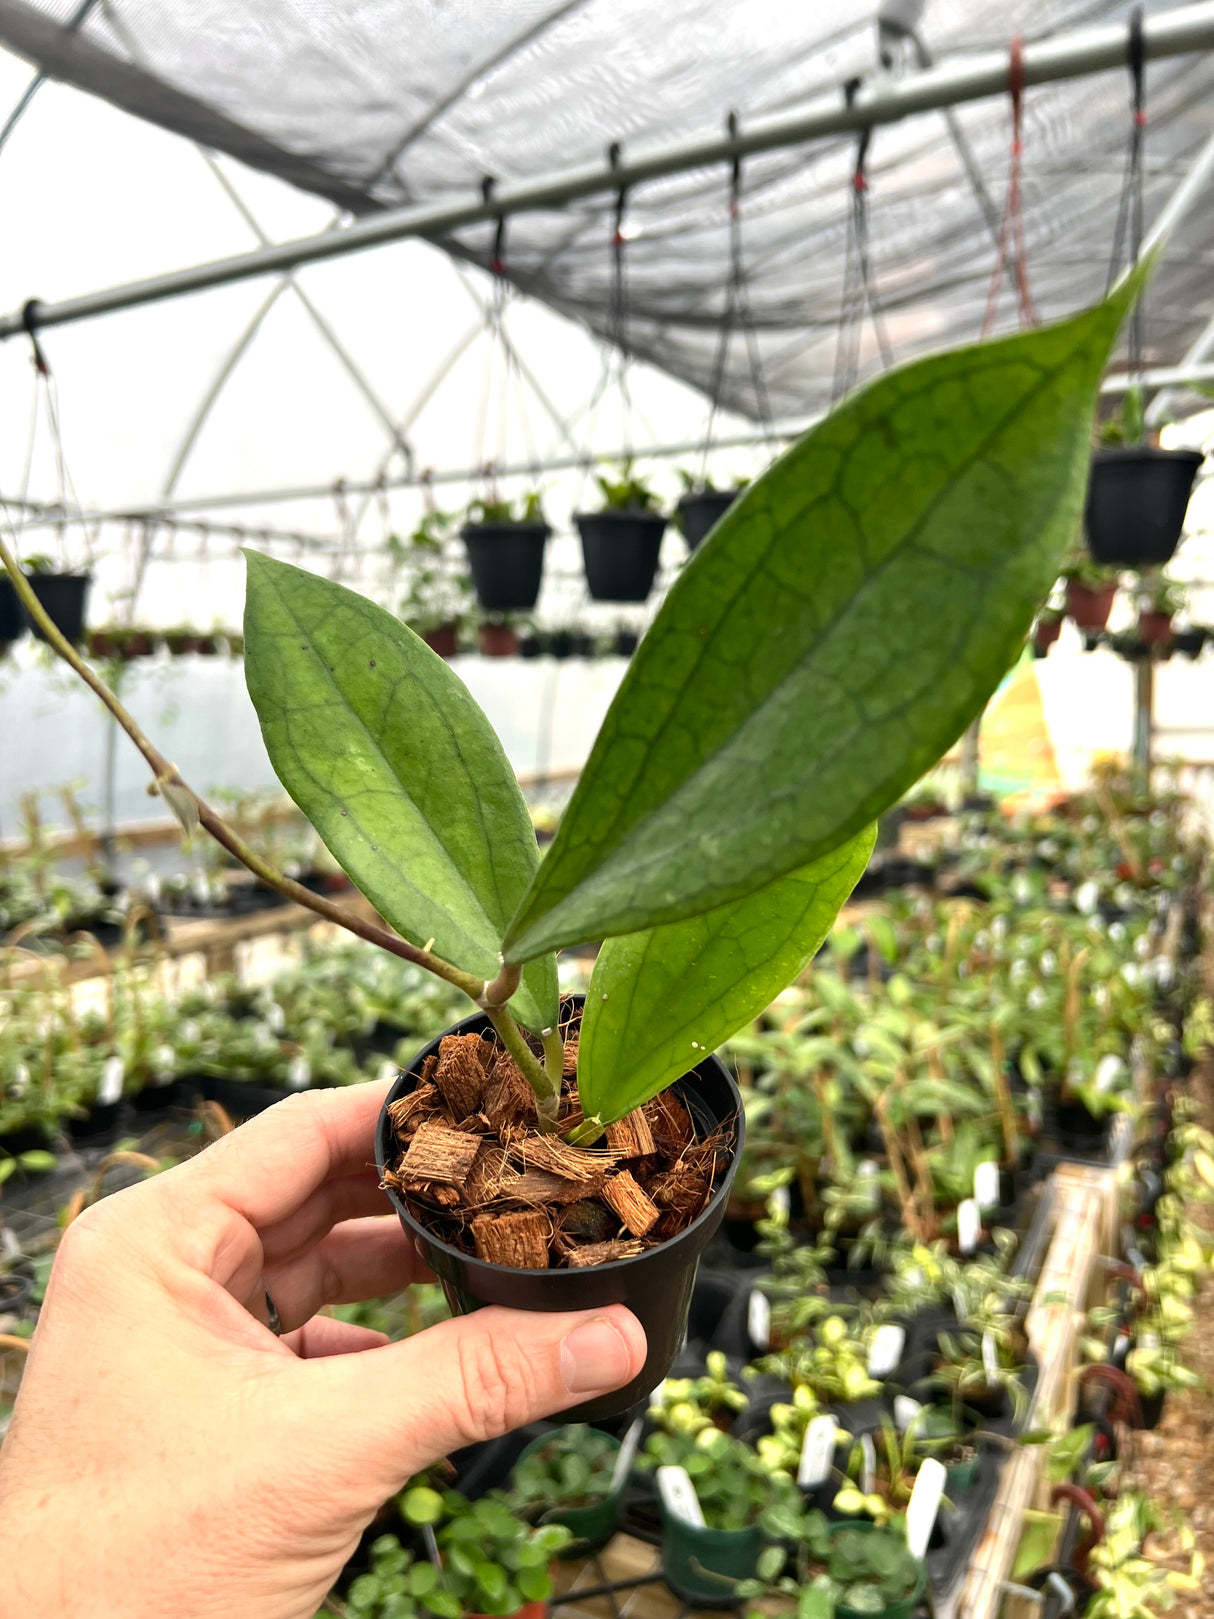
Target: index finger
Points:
x,y
264,1170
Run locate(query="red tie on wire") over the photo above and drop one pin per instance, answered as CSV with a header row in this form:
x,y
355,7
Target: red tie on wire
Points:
x,y
1012,225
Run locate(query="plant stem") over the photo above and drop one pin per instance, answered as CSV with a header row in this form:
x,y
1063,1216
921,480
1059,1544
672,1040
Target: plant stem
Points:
x,y
185,801
554,1056
547,1096
586,1133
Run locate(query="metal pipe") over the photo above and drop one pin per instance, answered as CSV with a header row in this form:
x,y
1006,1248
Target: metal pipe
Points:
x,y
42,513
1065,56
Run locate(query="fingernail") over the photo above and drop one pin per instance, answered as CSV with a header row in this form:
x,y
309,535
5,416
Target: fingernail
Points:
x,y
594,1357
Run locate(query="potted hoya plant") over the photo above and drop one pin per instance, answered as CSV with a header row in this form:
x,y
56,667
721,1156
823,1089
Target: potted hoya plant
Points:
x,y
506,541
1138,494
701,506
1046,631
553,1155
569,1477
620,543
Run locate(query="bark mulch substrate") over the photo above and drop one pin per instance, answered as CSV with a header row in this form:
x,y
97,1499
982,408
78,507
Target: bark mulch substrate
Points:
x,y
477,1173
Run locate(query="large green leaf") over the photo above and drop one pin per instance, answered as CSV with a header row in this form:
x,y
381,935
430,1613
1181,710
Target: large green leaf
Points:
x,y
846,620
659,1001
385,751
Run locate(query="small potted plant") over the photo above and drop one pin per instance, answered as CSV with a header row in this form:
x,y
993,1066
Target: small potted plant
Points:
x,y
1046,631
568,1477
1138,494
498,637
437,600
1090,589
1159,600
708,1549
701,507
849,1570
506,541
620,543
63,595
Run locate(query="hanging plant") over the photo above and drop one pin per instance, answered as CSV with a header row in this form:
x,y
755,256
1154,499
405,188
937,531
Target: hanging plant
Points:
x,y
505,544
63,595
1138,494
701,508
620,543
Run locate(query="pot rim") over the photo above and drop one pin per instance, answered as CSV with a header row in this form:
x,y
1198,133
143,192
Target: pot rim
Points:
x,y
612,1266
1145,452
483,530
631,514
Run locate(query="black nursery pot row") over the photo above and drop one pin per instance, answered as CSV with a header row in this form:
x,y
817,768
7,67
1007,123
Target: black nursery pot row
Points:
x,y
619,549
1137,499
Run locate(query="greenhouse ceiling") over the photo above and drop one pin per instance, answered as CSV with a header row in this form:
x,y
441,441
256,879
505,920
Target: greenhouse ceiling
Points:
x,y
392,103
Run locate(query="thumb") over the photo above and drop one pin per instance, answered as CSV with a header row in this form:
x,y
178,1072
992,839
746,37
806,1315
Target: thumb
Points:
x,y
478,1376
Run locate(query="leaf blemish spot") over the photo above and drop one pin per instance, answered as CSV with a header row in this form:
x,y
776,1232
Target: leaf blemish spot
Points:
x,y
371,665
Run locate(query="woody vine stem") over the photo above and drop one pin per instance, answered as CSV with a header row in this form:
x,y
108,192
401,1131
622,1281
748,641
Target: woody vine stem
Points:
x,y
192,811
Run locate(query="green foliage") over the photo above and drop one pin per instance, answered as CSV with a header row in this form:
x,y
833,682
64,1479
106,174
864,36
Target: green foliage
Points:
x,y
659,1001
627,493
394,764
572,1468
881,578
527,508
734,1487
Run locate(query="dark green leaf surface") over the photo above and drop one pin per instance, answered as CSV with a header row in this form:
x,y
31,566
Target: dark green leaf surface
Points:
x,y
384,750
660,1001
847,618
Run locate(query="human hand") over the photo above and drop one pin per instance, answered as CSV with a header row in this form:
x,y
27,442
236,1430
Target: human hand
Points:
x,y
168,1455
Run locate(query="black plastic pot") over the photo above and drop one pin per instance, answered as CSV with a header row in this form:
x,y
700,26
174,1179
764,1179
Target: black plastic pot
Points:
x,y
507,562
236,1097
620,550
698,513
1189,642
656,1286
1137,499
63,595
12,619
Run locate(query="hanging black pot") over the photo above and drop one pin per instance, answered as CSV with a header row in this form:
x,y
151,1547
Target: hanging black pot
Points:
x,y
702,510
12,619
620,550
507,562
655,1285
1137,499
63,595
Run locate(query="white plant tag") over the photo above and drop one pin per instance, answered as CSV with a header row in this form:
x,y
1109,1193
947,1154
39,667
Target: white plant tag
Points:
x,y
299,1073
758,1319
906,1411
886,1349
818,1451
986,1185
1108,1072
1034,1109
276,1017
781,1202
190,1032
164,1063
109,1088
866,1169
990,1359
679,1496
387,1070
868,1464
924,1505
152,889
659,1394
625,1455
200,887
969,1225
